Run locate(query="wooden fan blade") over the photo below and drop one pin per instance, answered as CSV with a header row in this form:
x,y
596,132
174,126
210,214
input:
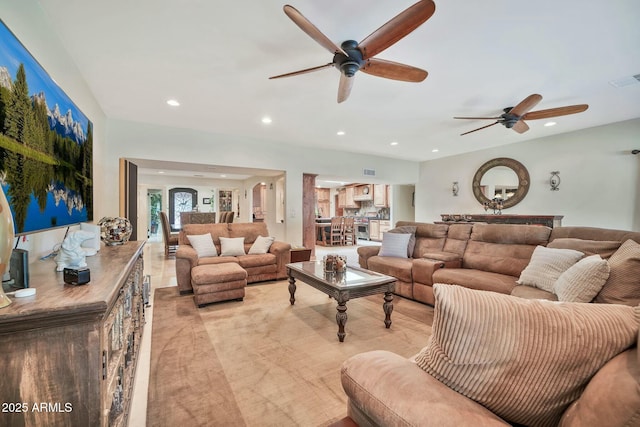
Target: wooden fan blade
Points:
x,y
311,30
525,105
393,70
483,127
555,112
479,118
520,126
307,70
396,28
344,89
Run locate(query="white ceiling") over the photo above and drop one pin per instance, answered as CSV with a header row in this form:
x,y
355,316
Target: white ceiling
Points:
x,y
215,57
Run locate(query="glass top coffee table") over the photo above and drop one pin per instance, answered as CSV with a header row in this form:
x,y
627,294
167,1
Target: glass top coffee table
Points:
x,y
355,282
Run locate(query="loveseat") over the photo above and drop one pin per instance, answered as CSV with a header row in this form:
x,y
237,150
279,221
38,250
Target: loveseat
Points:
x,y
259,267
482,256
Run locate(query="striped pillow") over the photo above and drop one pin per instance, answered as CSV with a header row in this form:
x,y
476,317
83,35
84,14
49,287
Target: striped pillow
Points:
x,y
525,360
623,284
546,265
395,245
583,280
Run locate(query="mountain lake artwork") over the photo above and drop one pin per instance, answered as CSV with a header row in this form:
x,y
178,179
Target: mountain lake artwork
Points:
x,y
46,145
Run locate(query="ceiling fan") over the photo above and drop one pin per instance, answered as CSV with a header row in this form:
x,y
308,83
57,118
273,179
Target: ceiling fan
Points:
x,y
352,56
514,117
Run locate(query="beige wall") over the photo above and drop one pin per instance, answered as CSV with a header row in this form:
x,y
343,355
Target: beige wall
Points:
x,y
600,178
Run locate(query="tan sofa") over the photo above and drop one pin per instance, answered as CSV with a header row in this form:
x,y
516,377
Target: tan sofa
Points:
x,y
452,381
481,256
386,389
262,267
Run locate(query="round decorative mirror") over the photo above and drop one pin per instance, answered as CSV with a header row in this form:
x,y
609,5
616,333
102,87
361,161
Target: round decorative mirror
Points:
x,y
502,178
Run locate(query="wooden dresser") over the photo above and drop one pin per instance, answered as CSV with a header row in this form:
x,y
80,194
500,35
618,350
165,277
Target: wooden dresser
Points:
x,y
69,353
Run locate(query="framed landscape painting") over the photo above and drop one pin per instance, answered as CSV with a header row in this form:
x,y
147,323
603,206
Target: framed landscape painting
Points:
x,y
46,145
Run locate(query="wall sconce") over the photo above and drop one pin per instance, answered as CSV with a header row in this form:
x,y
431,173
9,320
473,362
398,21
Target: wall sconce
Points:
x,y
554,181
271,186
455,188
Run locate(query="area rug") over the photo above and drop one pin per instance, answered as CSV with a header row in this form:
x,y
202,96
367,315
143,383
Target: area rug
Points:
x,y
262,361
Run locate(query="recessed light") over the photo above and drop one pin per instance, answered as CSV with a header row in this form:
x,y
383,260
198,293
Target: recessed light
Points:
x,y
173,103
394,143
266,120
435,150
160,171
550,124
340,133
223,176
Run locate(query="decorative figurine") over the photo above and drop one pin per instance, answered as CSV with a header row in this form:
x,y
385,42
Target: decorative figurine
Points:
x,y
71,253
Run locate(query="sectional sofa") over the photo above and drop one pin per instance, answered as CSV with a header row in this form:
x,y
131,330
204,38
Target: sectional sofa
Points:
x,y
482,256
494,359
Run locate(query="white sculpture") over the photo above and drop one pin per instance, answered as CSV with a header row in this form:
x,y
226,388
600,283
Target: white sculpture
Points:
x,y
71,253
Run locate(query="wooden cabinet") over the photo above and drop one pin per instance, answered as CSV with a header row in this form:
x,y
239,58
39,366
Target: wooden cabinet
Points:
x,y
384,227
363,193
349,201
380,196
69,353
323,202
374,230
377,228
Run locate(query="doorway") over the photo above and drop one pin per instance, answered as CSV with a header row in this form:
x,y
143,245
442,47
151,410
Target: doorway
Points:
x,y
259,202
154,202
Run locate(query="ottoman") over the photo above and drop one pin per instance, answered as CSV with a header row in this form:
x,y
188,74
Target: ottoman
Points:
x,y
218,282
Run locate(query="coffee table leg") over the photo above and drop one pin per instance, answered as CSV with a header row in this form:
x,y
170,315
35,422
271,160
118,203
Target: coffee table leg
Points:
x,y
292,289
341,318
388,308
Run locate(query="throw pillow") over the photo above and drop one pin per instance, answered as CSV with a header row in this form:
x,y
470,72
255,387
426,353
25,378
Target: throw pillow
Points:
x,y
231,246
546,265
261,245
623,284
525,360
203,244
395,245
407,229
583,280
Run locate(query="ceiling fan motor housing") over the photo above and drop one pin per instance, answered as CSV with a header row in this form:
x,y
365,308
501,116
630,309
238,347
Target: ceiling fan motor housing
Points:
x,y
349,65
509,120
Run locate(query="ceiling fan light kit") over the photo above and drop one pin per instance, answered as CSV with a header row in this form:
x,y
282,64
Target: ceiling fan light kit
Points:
x,y
351,56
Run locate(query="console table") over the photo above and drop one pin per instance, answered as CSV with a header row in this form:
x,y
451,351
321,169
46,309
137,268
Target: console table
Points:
x,y
547,220
69,353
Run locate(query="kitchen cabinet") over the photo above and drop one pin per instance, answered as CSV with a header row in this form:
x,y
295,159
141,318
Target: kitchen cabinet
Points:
x,y
374,230
384,227
323,202
377,228
349,198
380,195
342,198
363,193
70,352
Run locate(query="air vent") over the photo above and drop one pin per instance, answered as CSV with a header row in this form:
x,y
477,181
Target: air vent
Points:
x,y
626,81
369,172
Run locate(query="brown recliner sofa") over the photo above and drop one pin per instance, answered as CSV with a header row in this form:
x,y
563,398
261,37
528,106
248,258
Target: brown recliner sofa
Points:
x,y
482,256
260,267
384,388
